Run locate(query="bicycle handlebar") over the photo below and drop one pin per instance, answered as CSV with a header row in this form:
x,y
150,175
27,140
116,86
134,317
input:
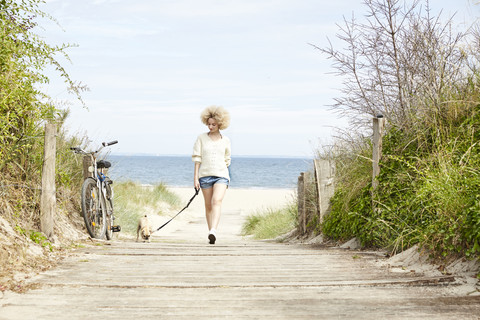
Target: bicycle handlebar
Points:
x,y
106,144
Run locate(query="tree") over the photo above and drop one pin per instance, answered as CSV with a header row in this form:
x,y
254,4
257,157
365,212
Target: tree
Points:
x,y
23,57
401,62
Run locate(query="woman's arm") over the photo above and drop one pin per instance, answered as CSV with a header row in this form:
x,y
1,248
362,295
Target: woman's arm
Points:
x,y
197,159
228,153
196,183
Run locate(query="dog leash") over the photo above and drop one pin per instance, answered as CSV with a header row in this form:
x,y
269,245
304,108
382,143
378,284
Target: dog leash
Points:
x,y
190,201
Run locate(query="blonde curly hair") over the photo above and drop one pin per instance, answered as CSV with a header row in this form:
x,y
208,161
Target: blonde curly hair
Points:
x,y
219,114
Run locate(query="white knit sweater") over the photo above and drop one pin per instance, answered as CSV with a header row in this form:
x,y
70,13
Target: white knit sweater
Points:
x,y
214,156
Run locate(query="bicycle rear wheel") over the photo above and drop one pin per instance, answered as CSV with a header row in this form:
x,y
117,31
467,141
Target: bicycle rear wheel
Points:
x,y
93,209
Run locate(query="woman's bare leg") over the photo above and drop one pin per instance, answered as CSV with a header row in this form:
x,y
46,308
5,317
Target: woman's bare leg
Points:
x,y
207,197
213,198
216,201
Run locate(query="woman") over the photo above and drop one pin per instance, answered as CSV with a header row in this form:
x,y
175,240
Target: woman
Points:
x,y
212,155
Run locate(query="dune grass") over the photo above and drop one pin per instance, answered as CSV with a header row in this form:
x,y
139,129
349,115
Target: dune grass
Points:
x,y
270,223
132,200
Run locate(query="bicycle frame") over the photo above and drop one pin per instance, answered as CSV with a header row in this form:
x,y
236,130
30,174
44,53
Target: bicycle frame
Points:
x,y
98,174
102,183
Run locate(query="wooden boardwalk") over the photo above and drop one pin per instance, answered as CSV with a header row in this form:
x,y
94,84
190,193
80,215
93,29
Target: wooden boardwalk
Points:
x,y
180,276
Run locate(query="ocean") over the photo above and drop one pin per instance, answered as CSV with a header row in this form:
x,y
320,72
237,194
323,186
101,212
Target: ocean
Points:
x,y
177,171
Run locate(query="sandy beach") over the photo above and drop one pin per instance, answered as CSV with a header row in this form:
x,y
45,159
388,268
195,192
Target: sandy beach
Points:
x,y
237,205
245,201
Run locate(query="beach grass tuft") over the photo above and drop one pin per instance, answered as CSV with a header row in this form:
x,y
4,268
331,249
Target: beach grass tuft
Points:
x,y
270,223
132,200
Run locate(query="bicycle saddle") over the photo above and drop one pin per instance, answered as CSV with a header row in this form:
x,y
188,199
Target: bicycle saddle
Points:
x,y
103,164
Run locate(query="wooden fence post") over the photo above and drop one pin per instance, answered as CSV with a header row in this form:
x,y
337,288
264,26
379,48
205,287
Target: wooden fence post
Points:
x,y
378,126
87,163
48,198
302,224
307,199
324,171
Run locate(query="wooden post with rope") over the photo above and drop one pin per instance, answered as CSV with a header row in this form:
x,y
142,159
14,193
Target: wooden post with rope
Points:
x,y
87,163
378,127
302,223
324,171
48,197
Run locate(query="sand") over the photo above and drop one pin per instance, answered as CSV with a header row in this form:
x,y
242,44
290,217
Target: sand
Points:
x,y
237,205
246,201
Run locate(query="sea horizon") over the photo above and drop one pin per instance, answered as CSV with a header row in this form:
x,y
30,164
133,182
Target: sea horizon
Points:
x,y
140,154
246,172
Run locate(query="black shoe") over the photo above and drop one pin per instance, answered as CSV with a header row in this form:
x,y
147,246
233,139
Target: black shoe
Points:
x,y
212,238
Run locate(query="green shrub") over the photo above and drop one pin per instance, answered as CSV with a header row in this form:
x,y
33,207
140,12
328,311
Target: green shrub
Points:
x,y
427,195
429,178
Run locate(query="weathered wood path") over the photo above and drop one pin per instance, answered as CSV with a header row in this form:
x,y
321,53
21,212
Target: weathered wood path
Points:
x,y
180,276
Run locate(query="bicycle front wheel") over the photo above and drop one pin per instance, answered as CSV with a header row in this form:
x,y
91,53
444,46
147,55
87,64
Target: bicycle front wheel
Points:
x,y
93,209
109,229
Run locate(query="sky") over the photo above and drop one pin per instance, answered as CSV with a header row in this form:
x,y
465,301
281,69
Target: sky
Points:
x,y
152,66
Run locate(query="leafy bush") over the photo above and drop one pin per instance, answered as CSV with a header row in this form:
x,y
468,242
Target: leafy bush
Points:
x,y
427,194
24,108
428,89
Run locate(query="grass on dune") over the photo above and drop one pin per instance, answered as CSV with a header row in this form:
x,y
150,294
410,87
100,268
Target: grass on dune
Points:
x,y
132,200
270,223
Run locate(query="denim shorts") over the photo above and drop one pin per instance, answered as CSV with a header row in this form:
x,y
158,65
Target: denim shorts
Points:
x,y
208,182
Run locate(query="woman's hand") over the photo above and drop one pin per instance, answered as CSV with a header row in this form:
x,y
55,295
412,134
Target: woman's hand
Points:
x,y
196,184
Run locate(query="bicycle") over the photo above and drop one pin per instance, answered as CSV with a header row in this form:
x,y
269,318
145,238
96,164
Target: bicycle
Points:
x,y
97,196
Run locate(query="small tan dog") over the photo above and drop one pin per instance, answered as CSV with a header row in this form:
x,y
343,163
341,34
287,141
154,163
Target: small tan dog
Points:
x,y
144,228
